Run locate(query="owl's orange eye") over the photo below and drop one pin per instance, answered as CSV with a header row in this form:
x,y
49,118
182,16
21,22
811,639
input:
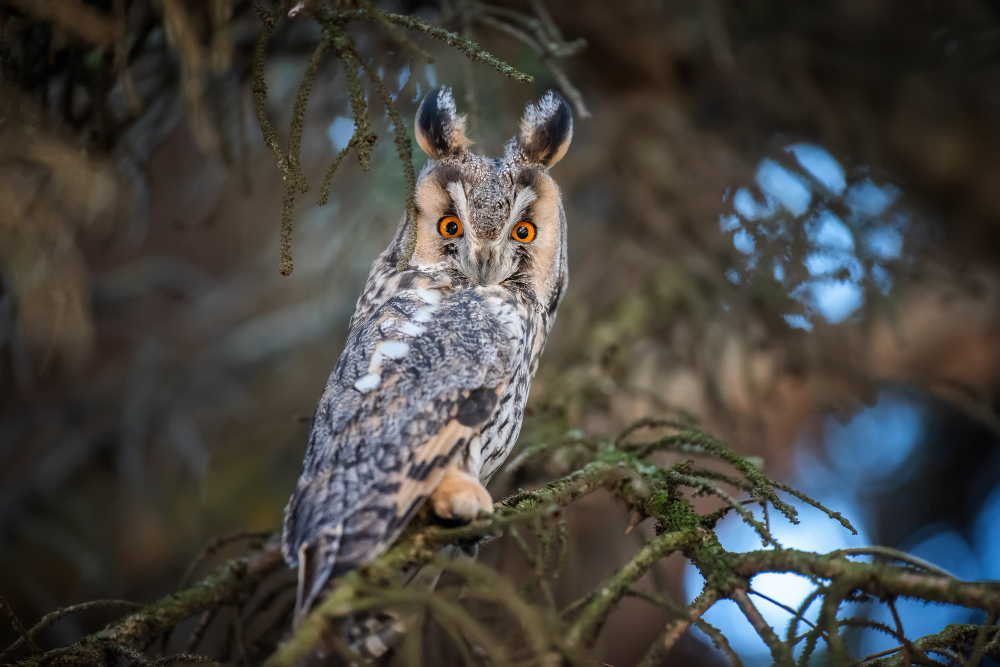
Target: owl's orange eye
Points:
x,y
523,232
450,226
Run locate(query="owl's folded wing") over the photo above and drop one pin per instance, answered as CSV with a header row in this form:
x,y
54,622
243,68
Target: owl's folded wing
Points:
x,y
414,385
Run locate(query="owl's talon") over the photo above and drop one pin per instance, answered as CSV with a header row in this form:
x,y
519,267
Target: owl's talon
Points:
x,y
460,496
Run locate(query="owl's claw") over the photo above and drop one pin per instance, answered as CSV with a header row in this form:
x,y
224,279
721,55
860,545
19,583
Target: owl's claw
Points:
x,y
460,497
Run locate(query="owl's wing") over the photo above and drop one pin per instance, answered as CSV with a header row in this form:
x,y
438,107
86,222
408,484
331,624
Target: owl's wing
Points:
x,y
413,386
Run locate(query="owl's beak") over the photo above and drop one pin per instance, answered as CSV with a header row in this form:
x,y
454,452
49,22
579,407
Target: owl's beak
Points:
x,y
483,274
484,269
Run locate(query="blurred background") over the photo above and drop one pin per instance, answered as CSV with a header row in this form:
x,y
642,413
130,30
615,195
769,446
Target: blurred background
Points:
x,y
784,222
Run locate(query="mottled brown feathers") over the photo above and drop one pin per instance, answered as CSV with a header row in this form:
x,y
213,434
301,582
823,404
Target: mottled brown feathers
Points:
x,y
435,374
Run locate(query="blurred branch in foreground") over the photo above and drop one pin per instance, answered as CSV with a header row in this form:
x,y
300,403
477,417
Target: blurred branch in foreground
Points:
x,y
257,585
119,37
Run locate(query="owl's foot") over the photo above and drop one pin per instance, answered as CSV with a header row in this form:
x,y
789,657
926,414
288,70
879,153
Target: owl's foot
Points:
x,y
460,496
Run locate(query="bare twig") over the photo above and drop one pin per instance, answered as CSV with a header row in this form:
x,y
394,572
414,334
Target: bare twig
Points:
x,y
779,650
255,537
677,627
896,554
25,636
55,616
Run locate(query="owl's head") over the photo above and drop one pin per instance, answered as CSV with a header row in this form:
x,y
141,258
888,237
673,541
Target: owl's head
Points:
x,y
493,220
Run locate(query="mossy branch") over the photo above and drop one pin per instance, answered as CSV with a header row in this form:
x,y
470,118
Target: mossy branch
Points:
x,y
621,467
135,630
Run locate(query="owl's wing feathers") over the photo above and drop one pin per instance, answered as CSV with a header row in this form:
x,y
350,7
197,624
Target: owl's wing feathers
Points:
x,y
413,386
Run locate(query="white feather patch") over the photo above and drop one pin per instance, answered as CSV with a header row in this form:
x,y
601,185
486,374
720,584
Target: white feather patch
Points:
x,y
368,382
430,297
394,349
521,202
457,192
411,329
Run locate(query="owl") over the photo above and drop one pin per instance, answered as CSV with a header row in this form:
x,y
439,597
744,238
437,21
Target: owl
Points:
x,y
427,398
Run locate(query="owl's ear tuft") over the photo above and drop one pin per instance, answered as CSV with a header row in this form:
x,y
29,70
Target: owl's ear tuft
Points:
x,y
440,129
546,130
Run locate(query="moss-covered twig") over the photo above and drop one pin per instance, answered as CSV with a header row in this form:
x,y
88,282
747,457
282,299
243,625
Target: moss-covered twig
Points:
x,y
136,629
677,627
648,490
590,618
53,617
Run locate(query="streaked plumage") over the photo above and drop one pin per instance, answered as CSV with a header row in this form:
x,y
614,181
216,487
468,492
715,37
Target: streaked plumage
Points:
x,y
427,398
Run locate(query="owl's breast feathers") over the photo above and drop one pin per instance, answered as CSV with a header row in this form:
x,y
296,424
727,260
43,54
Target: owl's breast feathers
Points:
x,y
414,385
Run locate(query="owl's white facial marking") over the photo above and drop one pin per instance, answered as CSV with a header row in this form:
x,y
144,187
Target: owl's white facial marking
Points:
x,y
422,315
523,199
461,202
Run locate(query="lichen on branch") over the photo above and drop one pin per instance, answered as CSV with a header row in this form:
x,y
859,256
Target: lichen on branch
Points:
x,y
624,467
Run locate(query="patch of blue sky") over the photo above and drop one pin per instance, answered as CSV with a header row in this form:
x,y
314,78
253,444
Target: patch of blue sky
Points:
x,y
431,75
943,546
403,77
797,321
816,532
817,476
884,242
829,231
986,535
733,276
826,263
340,132
882,278
867,198
751,209
728,223
779,271
821,165
874,445
835,300
836,292
777,183
773,229
743,242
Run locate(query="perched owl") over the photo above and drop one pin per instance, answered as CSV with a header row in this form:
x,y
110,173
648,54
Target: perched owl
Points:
x,y
427,399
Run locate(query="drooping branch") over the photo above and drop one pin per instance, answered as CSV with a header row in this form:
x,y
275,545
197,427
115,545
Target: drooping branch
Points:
x,y
335,36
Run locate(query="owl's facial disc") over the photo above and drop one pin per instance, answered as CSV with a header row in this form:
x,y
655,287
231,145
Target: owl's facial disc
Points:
x,y
495,225
492,221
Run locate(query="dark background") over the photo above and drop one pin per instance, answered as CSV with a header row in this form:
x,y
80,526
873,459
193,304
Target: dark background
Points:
x,y
784,220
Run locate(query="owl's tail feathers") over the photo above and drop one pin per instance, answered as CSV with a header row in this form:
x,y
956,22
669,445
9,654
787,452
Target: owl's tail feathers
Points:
x,y
317,561
373,634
